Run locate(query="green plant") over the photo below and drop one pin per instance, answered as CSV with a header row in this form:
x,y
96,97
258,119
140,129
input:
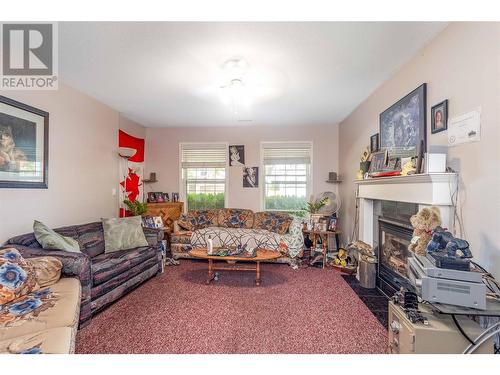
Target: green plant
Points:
x,y
205,201
313,206
136,207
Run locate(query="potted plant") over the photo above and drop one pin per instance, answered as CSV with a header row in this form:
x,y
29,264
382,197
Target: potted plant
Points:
x,y
313,207
136,208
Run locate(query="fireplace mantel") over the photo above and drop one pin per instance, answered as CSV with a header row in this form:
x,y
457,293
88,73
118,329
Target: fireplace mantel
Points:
x,y
426,189
430,189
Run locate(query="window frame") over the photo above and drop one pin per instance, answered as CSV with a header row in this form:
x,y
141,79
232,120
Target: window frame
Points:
x,y
183,182
262,172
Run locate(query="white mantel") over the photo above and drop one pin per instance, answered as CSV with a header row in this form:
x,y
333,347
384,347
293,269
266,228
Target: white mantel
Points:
x,y
434,189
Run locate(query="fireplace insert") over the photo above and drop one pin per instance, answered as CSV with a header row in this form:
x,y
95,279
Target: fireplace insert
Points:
x,y
393,253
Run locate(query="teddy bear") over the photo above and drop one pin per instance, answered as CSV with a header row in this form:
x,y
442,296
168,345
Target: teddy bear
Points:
x,y
423,222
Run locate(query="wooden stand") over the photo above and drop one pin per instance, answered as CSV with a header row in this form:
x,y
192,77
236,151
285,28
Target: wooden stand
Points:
x,y
314,235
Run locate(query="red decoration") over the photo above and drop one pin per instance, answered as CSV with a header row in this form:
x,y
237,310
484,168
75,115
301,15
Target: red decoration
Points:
x,y
131,185
128,141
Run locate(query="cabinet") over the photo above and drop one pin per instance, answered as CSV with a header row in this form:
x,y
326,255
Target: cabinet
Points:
x,y
168,211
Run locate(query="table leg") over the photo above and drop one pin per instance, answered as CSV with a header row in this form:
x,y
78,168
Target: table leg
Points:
x,y
257,279
210,271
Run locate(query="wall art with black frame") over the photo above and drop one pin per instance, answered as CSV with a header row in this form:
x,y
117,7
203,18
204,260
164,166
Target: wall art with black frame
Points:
x,y
24,145
403,125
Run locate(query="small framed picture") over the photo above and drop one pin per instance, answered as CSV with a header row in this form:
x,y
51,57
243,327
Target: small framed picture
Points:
x,y
158,222
374,143
439,116
378,162
151,197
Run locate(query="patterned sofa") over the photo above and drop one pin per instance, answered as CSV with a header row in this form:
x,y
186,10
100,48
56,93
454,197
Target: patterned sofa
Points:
x,y
231,227
103,277
44,320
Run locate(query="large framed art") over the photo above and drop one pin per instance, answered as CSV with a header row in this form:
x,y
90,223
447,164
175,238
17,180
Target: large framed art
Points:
x,y
403,125
24,145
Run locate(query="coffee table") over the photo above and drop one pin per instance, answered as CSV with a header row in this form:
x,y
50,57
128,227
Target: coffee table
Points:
x,y
262,255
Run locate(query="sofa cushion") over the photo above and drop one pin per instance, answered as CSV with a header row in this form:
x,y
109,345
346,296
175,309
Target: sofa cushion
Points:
x,y
277,222
51,307
235,218
108,265
51,341
197,219
123,233
49,239
91,238
47,270
17,277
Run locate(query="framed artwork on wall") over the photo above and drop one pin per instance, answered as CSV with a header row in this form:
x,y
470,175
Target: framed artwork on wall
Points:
x,y
236,155
378,162
403,125
250,177
439,117
374,143
24,145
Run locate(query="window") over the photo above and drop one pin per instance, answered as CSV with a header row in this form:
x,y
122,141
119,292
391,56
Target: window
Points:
x,y
203,183
287,175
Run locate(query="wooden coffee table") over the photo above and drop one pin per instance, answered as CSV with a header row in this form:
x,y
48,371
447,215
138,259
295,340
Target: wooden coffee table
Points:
x,y
262,255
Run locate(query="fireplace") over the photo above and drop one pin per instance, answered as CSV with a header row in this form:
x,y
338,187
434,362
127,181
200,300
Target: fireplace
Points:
x,y
394,236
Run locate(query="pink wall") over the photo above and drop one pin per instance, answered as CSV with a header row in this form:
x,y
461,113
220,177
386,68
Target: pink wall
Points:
x,y
162,155
462,64
83,164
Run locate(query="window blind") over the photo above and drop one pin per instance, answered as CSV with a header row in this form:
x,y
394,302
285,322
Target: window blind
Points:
x,y
203,155
293,153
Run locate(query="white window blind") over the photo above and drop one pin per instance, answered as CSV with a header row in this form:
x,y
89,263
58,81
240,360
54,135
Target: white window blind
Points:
x,y
296,153
203,155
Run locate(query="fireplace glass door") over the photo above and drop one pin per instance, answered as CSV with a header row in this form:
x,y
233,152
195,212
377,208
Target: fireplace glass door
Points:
x,y
394,239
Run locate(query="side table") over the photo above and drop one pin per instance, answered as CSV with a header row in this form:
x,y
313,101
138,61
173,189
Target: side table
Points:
x,y
314,235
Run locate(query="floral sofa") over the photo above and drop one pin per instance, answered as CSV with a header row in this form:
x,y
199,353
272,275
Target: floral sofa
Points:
x,y
103,277
231,227
42,319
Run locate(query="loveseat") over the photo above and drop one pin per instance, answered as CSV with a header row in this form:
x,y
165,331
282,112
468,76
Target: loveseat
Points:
x,y
276,231
44,318
104,277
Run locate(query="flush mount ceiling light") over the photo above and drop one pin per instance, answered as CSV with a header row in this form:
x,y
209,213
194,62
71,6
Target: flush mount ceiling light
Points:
x,y
235,93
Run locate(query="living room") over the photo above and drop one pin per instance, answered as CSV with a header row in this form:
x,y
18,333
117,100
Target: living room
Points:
x,y
256,187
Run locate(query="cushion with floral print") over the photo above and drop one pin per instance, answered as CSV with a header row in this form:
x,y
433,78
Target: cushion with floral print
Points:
x,y
198,219
277,222
235,218
17,277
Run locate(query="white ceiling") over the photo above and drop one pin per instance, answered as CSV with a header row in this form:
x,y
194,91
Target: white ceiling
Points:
x,y
170,74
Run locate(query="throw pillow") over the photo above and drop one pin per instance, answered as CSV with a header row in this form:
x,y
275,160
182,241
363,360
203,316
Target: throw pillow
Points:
x,y
17,277
52,240
272,221
122,234
47,270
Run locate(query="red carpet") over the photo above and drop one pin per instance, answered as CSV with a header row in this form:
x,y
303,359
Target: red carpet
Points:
x,y
303,311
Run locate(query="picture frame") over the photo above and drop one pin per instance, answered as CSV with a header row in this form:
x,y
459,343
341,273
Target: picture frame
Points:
x,y
375,143
439,117
403,125
236,155
24,145
151,197
250,177
378,162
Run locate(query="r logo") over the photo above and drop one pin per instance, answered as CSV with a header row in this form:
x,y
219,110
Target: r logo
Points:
x,y
27,49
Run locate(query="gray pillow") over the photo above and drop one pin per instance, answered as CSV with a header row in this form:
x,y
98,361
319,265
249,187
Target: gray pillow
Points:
x,y
123,233
52,240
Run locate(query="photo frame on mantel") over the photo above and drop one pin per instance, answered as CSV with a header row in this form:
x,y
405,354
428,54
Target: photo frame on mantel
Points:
x,y
24,145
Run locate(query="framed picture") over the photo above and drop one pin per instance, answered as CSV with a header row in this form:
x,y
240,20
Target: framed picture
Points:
x,y
374,143
332,224
24,145
403,125
439,117
151,197
158,222
236,155
379,161
250,177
